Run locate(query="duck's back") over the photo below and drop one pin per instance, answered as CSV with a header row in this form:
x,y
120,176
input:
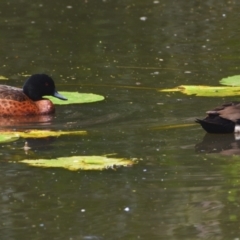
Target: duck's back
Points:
x,y
13,102
229,111
12,93
222,119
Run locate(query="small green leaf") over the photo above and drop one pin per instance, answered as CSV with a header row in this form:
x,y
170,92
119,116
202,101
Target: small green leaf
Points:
x,y
205,91
164,127
41,133
82,162
3,78
231,81
75,97
8,138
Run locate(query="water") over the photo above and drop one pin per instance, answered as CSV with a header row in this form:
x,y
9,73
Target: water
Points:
x,y
185,186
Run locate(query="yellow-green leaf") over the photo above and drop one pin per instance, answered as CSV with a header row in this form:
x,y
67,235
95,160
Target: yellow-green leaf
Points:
x,y
3,78
164,127
8,138
76,97
81,162
205,91
41,133
231,81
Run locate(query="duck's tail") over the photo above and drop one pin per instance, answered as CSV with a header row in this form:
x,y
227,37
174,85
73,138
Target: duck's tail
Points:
x,y
216,125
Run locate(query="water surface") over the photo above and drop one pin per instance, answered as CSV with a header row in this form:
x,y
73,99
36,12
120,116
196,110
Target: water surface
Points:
x,y
185,185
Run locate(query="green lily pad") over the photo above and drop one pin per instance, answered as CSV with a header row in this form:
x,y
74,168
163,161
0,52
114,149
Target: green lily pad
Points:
x,y
164,127
8,138
40,133
76,97
205,91
231,81
3,78
81,162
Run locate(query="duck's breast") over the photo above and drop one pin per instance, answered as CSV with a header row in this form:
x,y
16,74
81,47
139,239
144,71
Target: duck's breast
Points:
x,y
45,106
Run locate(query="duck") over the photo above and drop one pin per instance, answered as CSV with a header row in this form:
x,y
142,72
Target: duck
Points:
x,y
222,119
29,100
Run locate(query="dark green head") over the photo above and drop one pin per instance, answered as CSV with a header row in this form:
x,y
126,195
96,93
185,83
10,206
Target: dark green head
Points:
x,y
39,85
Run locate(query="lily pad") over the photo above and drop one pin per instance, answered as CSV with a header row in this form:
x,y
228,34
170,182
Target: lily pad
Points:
x,y
231,81
41,133
8,138
76,97
3,78
164,127
205,91
82,162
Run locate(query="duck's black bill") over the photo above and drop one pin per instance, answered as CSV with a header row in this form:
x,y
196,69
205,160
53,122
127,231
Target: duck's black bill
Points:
x,y
58,95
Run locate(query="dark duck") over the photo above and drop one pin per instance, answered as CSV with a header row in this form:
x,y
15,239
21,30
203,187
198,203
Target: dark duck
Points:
x,y
29,100
222,119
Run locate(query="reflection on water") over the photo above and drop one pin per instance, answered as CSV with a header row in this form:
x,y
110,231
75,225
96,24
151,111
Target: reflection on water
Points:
x,y
225,144
20,121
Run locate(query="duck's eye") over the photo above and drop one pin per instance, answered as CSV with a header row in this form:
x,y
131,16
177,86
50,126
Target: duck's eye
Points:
x,y
46,84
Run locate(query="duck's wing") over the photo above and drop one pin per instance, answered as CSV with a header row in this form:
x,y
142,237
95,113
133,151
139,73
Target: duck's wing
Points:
x,y
12,93
230,111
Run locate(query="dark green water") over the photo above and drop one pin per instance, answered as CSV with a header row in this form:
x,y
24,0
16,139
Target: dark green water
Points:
x,y
125,51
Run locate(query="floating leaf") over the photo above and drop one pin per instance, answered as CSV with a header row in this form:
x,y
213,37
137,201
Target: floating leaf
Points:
x,y
3,78
26,75
8,138
76,97
205,91
164,127
41,133
231,81
82,162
